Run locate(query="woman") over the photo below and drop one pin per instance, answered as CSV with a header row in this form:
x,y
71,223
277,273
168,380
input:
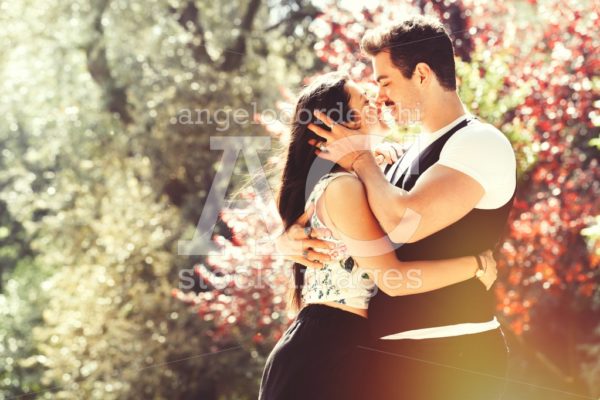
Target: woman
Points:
x,y
317,356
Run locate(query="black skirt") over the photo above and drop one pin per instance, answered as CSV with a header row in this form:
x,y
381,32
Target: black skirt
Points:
x,y
317,357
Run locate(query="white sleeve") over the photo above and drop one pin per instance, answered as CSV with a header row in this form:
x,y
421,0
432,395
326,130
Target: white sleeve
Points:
x,y
486,155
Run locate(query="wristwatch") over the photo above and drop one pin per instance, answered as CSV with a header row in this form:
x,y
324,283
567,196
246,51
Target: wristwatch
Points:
x,y
480,269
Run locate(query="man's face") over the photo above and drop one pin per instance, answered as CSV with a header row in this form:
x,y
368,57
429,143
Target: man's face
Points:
x,y
399,94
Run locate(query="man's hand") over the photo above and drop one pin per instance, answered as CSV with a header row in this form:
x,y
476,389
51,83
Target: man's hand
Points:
x,y
491,270
343,145
387,153
302,244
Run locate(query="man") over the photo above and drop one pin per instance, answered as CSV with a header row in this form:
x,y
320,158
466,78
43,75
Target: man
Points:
x,y
459,178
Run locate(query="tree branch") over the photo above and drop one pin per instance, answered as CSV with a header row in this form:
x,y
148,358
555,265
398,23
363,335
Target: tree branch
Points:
x,y
295,16
190,21
235,54
115,96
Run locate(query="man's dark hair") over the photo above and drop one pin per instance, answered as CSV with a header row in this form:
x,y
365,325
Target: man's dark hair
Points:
x,y
414,40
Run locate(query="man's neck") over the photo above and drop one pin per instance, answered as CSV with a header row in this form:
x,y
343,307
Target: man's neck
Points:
x,y
442,110
338,168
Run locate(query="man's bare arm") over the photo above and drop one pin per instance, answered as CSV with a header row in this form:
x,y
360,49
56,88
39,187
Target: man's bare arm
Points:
x,y
441,197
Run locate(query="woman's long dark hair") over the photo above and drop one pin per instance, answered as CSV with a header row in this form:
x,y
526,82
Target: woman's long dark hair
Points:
x,y
327,94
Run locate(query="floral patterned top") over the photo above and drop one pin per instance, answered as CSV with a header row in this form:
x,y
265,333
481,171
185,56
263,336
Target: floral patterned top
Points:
x,y
338,281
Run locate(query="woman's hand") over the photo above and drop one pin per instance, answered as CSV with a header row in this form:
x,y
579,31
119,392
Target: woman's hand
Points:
x,y
490,268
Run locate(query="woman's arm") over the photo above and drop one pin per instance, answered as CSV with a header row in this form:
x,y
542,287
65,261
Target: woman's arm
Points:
x,y
345,210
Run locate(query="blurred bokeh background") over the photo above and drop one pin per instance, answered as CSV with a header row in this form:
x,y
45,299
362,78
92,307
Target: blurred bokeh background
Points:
x,y
100,177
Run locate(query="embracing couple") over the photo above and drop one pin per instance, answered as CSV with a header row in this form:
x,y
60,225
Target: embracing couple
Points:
x,y
393,259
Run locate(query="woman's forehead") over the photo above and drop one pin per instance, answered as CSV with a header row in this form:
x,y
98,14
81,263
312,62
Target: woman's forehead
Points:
x,y
357,89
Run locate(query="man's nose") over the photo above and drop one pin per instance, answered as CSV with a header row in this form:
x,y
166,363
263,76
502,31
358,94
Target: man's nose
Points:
x,y
381,97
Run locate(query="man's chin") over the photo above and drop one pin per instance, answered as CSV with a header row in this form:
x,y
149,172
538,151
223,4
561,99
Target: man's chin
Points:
x,y
405,120
399,121
380,129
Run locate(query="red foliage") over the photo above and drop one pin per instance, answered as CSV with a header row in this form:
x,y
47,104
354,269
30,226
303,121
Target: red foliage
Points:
x,y
544,254
243,288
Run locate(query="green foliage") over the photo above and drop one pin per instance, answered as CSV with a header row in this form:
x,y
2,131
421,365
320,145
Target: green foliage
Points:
x,y
100,177
484,91
592,233
21,305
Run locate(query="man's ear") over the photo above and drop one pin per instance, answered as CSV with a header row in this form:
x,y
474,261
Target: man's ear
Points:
x,y
423,73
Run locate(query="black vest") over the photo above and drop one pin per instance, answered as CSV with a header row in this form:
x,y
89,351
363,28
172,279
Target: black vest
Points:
x,y
467,301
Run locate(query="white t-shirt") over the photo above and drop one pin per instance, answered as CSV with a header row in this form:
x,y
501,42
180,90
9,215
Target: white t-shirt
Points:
x,y
478,150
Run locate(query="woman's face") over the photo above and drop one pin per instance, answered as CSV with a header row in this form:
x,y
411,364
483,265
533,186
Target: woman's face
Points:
x,y
365,114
